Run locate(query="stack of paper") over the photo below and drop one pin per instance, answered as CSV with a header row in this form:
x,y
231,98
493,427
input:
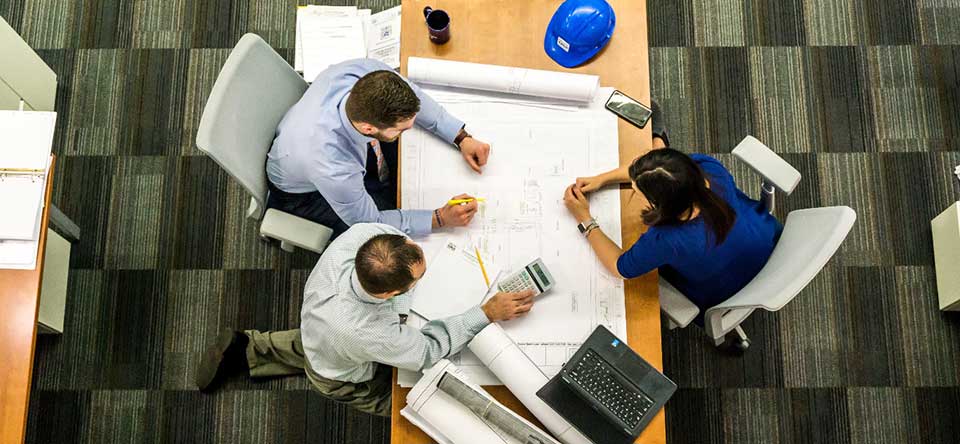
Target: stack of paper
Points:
x,y
26,138
327,35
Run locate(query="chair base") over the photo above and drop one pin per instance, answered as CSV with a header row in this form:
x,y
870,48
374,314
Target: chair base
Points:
x,y
735,342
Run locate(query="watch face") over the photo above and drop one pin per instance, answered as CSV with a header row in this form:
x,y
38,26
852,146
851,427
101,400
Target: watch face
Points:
x,y
581,227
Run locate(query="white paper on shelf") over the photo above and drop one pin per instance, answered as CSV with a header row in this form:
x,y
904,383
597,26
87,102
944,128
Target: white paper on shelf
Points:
x,y
453,282
504,358
21,201
20,254
506,79
537,149
26,139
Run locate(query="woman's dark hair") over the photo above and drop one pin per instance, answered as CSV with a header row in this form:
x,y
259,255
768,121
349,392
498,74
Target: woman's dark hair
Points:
x,y
673,184
384,262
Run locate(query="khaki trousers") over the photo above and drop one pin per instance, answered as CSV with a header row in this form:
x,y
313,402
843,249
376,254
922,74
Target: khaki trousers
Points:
x,y
280,353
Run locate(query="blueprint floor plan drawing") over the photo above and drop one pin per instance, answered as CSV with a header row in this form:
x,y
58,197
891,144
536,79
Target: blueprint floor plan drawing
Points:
x,y
538,148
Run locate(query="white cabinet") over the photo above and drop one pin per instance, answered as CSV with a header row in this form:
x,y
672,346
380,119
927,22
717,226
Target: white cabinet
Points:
x,y
53,289
23,74
946,255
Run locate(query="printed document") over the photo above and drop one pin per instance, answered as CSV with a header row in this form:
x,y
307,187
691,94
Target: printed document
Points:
x,y
327,35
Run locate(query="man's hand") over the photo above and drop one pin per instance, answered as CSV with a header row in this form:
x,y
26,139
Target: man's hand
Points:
x,y
458,215
475,153
577,204
506,306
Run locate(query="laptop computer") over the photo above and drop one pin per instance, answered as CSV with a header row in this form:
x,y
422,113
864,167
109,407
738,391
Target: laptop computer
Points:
x,y
607,391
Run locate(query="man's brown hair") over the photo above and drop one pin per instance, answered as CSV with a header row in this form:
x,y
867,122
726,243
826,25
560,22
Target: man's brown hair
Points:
x,y
384,263
382,98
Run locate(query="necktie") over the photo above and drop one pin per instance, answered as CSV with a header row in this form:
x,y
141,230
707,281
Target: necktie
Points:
x,y
383,172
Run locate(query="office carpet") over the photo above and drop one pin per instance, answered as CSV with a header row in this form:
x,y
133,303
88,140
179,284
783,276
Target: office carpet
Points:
x,y
862,96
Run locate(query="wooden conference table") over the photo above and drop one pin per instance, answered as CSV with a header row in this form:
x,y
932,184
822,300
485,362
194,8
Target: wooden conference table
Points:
x,y
510,32
20,293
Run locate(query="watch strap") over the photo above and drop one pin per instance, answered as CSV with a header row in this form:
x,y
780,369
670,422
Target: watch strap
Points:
x,y
463,134
587,226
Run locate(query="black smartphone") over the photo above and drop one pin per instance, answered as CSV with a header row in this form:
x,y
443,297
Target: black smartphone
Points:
x,y
629,109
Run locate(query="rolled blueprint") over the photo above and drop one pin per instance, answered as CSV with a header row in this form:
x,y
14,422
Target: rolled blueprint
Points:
x,y
449,421
492,412
506,79
505,359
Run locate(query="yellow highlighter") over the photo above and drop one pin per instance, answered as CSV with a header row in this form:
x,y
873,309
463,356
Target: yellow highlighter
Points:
x,y
482,269
464,201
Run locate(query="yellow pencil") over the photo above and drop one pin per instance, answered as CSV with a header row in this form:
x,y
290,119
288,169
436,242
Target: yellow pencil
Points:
x,y
463,201
482,269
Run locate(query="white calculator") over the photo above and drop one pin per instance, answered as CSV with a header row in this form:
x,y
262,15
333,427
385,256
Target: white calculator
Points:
x,y
532,277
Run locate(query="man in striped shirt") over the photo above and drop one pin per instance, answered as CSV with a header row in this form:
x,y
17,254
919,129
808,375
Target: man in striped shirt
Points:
x,y
353,324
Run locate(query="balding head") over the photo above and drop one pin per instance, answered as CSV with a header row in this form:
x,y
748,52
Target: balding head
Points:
x,y
388,263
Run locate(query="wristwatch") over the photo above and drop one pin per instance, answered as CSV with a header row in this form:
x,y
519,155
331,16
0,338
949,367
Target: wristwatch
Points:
x,y
585,227
463,134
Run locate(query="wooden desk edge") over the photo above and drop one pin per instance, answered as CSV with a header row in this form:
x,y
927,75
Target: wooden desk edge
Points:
x,y
16,433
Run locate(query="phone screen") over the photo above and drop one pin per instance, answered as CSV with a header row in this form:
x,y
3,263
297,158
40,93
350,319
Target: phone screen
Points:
x,y
629,109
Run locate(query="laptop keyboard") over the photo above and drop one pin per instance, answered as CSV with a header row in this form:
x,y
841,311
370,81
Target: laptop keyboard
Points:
x,y
599,381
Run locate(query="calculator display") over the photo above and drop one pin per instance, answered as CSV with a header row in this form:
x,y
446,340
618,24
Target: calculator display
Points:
x,y
539,273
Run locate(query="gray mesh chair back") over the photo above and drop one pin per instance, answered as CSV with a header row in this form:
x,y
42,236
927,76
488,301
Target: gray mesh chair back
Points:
x,y
254,90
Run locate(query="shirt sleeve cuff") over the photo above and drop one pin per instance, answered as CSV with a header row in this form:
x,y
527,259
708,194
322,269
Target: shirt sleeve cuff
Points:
x,y
448,127
421,222
475,320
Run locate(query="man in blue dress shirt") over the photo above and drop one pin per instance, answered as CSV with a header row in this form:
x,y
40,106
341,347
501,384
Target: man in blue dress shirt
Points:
x,y
334,159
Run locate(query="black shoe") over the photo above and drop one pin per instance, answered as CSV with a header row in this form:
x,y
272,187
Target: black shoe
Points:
x,y
228,354
658,127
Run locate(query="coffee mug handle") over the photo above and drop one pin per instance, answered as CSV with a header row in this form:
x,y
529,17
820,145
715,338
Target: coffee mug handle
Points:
x,y
426,11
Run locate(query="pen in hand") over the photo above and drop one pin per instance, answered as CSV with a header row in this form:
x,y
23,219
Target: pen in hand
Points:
x,y
464,201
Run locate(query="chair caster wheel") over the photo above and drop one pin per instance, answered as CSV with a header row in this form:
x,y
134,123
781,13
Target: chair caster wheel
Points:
x,y
735,346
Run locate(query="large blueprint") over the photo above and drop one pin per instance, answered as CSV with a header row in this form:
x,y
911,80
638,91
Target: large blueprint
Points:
x,y
538,147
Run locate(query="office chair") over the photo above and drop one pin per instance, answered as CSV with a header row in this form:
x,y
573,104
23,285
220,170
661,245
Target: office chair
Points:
x,y
254,90
810,238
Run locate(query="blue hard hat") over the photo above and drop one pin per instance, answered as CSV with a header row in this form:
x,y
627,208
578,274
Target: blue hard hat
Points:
x,y
578,30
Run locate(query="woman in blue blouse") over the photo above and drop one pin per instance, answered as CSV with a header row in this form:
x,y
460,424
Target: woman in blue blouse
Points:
x,y
706,237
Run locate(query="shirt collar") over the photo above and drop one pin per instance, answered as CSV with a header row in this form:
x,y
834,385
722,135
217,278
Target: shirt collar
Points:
x,y
360,293
355,136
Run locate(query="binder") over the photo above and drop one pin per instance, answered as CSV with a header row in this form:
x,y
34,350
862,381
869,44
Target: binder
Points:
x,y
26,140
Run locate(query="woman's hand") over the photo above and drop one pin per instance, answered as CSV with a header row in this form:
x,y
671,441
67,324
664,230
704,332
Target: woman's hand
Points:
x,y
577,203
591,184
